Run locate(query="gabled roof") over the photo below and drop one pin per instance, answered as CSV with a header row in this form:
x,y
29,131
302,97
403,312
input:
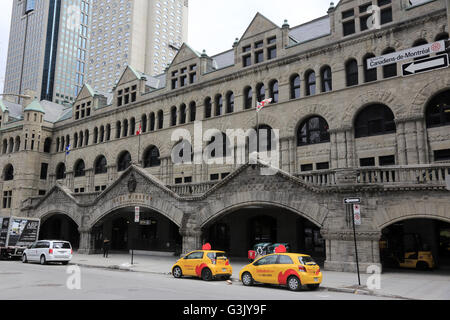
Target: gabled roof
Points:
x,y
184,54
258,25
311,30
35,106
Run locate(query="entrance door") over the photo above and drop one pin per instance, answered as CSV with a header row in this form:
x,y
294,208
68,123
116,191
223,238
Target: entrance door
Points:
x,y
120,234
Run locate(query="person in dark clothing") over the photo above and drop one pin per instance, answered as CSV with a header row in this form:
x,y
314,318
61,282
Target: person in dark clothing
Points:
x,y
106,245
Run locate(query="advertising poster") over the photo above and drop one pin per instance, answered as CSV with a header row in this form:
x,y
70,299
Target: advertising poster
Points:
x,y
4,224
23,232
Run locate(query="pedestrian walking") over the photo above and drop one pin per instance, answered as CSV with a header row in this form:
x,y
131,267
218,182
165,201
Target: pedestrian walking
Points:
x,y
106,244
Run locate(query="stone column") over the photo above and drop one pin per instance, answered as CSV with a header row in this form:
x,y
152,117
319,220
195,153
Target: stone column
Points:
x,y
334,152
421,141
192,240
292,156
411,142
342,153
284,149
401,143
86,241
90,180
350,147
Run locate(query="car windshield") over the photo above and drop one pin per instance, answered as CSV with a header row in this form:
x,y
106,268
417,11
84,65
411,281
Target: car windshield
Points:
x,y
61,245
306,260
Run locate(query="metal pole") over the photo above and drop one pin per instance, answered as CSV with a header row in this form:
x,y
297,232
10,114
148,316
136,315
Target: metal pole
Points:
x,y
356,247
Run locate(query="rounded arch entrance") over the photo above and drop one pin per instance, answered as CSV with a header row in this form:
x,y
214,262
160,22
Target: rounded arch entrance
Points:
x,y
155,231
59,226
236,229
416,242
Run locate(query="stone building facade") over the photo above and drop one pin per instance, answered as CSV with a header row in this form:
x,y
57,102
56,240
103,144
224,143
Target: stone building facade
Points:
x,y
344,131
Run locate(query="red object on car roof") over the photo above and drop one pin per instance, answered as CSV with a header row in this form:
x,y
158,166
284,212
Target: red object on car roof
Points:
x,y
206,246
280,249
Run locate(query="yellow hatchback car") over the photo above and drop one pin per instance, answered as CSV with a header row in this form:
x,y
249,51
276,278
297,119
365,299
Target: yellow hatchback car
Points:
x,y
205,264
290,269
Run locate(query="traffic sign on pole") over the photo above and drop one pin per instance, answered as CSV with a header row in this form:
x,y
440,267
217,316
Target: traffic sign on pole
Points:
x,y
137,214
425,65
357,214
352,201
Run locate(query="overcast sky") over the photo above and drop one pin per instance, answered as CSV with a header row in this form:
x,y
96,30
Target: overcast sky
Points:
x,y
213,24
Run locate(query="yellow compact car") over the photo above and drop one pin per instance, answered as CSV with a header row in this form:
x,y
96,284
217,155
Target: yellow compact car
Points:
x,y
290,269
205,264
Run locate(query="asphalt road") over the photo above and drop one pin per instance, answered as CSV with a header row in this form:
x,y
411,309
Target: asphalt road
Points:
x,y
36,282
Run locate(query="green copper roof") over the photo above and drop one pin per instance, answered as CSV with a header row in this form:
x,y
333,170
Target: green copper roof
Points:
x,y
35,106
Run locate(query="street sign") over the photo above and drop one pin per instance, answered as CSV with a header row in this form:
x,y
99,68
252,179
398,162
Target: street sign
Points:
x,y
352,201
424,65
357,214
411,53
137,214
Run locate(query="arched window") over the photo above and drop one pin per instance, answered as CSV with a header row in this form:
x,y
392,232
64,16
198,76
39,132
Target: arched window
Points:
x,y
95,135
118,129
86,138
438,110
310,77
230,102
8,173
260,92
224,148
369,74
327,80
312,131
273,90
108,132
102,134
132,126
60,171
183,114
125,128
182,153
63,145
192,111
124,161
266,141
219,105
351,72
67,140
57,144
144,123
208,108
160,119
47,145
17,145
152,157
79,169
81,137
389,70
173,116
11,145
100,166
376,119
442,36
418,43
295,86
75,140
248,98
152,121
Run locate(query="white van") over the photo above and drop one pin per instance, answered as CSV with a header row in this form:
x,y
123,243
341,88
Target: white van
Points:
x,y
45,251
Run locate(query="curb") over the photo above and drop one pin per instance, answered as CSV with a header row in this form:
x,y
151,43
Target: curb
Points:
x,y
324,288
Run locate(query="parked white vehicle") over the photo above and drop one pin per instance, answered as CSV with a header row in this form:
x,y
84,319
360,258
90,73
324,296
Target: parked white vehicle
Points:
x,y
45,251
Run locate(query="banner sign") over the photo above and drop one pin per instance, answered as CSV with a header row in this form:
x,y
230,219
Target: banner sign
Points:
x,y
407,54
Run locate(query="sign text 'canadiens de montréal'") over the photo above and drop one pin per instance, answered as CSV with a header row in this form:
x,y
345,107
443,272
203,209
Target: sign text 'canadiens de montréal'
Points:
x,y
410,53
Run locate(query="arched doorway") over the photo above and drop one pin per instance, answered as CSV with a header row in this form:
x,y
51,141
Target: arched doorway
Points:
x,y
60,227
154,232
238,230
406,244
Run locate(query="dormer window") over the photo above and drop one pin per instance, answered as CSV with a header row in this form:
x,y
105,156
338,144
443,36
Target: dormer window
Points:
x,y
259,44
126,95
83,110
247,49
184,76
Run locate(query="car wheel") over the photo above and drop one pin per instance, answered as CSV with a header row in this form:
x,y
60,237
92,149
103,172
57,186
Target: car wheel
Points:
x,y
207,274
293,283
422,265
24,258
43,260
313,287
247,279
177,272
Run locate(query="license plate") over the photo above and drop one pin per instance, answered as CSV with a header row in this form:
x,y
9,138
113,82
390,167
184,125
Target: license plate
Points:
x,y
316,279
224,269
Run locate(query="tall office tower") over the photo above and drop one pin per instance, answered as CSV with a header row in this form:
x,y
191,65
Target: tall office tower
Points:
x,y
141,33
48,48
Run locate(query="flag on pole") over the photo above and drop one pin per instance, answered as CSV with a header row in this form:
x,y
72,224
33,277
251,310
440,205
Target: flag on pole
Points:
x,y
262,104
68,149
139,132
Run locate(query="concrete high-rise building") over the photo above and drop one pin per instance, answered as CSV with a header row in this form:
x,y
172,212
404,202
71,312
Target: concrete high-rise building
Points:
x,y
141,33
48,48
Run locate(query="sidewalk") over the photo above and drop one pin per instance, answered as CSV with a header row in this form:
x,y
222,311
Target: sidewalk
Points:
x,y
407,284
